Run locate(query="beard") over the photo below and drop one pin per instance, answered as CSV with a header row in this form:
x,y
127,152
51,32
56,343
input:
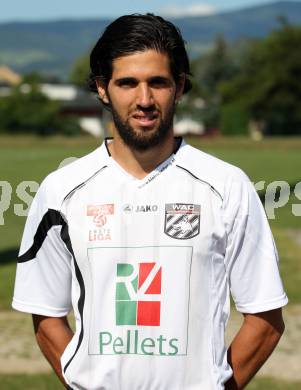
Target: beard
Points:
x,y
144,139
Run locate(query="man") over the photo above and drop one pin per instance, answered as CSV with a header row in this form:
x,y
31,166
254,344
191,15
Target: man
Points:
x,y
144,238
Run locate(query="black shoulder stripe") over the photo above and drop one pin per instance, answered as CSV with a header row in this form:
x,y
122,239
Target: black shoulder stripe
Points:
x,y
50,219
202,181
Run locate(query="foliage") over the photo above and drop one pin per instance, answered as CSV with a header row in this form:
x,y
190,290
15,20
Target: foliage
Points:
x,y
80,71
27,110
216,66
209,71
234,119
250,82
32,78
35,77
267,86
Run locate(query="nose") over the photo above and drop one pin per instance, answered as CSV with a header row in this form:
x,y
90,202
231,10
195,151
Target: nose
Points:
x,y
144,96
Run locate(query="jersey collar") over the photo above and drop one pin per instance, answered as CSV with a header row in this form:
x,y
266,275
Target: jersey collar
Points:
x,y
141,183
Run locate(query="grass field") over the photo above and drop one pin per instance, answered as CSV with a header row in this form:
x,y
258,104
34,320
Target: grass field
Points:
x,y
50,382
31,159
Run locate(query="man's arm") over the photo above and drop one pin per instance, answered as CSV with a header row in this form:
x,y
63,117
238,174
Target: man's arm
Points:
x,y
53,335
252,345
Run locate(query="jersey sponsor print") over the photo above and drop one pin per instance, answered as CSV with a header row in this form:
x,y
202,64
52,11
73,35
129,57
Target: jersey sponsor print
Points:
x,y
137,313
138,294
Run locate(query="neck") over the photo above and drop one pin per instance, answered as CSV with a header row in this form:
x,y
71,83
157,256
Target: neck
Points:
x,y
140,163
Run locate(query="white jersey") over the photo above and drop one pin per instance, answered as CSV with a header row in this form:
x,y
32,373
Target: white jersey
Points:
x,y
147,266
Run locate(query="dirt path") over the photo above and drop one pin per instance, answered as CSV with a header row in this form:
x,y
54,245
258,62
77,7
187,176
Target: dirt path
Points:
x,y
19,353
285,361
18,350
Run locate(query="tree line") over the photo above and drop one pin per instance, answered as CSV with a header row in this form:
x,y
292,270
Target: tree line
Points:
x,y
237,86
251,83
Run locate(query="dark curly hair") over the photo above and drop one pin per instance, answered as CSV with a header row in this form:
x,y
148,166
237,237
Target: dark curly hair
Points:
x,y
135,33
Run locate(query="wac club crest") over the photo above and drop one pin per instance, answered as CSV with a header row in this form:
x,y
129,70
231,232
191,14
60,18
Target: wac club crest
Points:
x,y
182,220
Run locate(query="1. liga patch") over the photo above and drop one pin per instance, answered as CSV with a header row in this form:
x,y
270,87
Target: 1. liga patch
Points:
x,y
182,220
99,222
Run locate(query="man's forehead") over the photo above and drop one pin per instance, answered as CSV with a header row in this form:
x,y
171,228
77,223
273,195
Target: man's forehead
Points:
x,y
145,63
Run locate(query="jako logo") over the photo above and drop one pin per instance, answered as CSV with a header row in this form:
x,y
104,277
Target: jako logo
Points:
x,y
147,208
138,294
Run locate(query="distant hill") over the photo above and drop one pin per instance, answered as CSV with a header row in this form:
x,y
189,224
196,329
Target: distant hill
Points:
x,y
52,47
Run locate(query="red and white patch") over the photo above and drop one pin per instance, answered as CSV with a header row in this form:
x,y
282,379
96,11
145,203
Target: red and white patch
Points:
x,y
99,213
99,225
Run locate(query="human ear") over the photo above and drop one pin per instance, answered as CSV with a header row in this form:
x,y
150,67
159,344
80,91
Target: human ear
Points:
x,y
102,91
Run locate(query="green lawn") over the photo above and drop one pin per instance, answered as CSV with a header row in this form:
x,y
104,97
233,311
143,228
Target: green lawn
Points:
x,y
50,382
32,158
271,160
27,159
30,382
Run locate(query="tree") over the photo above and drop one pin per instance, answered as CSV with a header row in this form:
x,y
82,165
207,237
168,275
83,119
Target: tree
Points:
x,y
218,66
268,86
27,110
80,71
209,71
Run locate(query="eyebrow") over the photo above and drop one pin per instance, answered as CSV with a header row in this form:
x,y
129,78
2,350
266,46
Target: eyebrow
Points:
x,y
150,80
125,80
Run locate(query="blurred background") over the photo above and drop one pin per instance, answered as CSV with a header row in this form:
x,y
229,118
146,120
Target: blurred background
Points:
x,y
245,107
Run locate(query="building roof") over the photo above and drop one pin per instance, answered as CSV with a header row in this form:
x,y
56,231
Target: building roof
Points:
x,y
8,76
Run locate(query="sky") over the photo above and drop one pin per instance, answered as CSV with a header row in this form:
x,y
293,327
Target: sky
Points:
x,y
37,10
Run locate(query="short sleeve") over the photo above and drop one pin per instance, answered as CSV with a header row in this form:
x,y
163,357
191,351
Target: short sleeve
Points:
x,y
43,276
251,257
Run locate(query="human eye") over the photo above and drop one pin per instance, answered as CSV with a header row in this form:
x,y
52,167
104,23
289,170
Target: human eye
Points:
x,y
127,83
159,82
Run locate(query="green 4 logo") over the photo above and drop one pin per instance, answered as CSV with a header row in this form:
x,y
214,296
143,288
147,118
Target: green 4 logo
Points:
x,y
138,294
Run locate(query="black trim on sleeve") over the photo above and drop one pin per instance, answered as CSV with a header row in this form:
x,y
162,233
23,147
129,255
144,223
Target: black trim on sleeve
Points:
x,y
81,300
50,219
202,181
